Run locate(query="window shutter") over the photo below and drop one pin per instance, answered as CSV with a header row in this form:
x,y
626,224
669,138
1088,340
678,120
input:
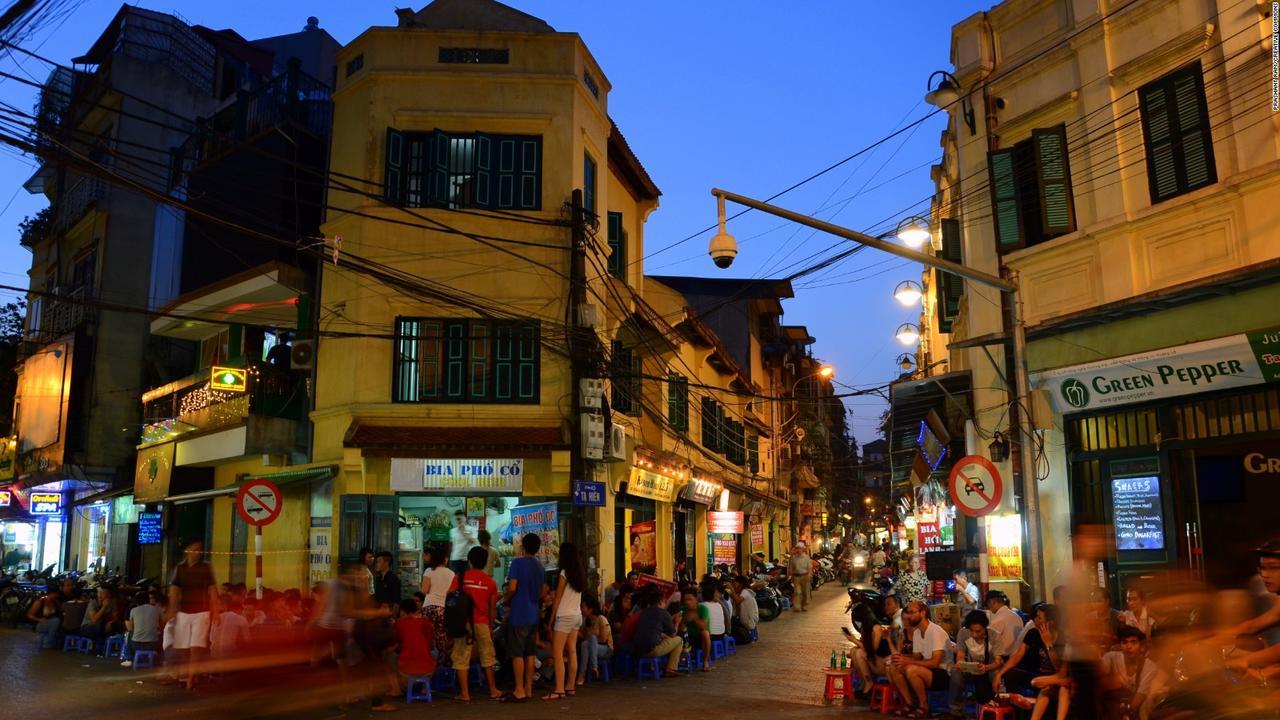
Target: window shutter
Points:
x,y
438,170
949,287
753,453
1004,200
678,402
529,180
1193,129
615,245
619,391
710,425
479,361
506,187
504,362
393,173
486,179
455,359
636,388
1157,130
528,369
1053,175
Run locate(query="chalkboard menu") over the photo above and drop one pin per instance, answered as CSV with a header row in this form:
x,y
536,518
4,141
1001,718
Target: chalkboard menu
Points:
x,y
1139,515
149,528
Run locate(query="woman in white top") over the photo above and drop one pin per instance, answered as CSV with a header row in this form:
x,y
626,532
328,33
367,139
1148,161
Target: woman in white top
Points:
x,y
567,618
1136,615
436,582
717,623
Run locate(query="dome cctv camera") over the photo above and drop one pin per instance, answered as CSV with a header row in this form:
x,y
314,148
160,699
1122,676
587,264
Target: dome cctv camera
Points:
x,y
723,249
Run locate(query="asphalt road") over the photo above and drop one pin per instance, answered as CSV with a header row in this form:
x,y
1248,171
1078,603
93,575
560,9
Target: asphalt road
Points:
x,y
781,675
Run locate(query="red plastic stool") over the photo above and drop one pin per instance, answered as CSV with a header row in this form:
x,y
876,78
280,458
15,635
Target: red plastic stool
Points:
x,y
884,698
996,712
839,686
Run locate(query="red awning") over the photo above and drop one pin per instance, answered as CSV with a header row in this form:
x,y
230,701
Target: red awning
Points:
x,y
417,441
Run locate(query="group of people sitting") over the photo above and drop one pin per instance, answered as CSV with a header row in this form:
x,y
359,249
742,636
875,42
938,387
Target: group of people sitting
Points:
x,y
999,651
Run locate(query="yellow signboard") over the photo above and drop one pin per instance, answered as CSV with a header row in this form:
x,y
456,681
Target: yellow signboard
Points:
x,y
1004,548
227,379
8,456
651,485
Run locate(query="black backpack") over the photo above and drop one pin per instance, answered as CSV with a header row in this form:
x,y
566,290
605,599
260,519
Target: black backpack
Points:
x,y
458,609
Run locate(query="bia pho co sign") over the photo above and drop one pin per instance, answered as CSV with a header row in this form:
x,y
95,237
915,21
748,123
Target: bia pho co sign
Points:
x,y
1228,362
457,474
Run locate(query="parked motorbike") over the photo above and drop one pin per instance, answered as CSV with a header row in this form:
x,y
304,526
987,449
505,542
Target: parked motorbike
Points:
x,y
768,600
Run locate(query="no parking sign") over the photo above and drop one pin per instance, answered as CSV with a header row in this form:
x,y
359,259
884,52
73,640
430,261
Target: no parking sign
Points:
x,y
258,502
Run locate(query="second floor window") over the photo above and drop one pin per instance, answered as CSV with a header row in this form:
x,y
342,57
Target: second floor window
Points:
x,y
467,170
617,247
625,380
1175,134
678,402
458,360
588,183
1031,199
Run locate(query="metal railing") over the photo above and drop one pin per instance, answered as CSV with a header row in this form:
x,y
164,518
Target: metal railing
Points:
x,y
191,404
73,203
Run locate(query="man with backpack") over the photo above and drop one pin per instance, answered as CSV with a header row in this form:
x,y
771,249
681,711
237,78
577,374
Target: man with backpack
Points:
x,y
468,615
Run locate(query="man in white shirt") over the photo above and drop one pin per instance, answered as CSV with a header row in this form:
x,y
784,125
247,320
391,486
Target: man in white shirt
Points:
x,y
461,538
1131,672
1004,621
744,597
927,668
967,593
801,566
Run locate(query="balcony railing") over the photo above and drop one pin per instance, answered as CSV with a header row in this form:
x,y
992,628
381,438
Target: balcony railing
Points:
x,y
190,404
78,199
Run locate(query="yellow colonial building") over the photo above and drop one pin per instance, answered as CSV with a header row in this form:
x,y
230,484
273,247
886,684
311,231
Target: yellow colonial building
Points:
x,y
1121,161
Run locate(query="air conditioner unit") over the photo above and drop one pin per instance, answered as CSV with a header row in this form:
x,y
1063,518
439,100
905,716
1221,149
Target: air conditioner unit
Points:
x,y
617,449
593,436
302,355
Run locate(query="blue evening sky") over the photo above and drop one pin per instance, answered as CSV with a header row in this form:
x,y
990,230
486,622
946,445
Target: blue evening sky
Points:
x,y
748,96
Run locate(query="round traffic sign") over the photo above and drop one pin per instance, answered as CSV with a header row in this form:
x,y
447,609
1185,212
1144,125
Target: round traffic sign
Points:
x,y
976,487
258,502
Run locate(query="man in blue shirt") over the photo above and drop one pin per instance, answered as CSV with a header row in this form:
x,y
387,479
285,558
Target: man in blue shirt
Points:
x,y
525,580
655,634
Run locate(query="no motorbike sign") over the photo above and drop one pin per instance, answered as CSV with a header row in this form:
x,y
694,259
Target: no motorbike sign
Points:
x,y
258,502
976,487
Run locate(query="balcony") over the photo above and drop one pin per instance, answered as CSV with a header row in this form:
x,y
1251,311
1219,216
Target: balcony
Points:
x,y
72,205
208,425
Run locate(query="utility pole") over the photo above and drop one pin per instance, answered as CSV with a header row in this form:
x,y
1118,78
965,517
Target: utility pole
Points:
x,y
577,333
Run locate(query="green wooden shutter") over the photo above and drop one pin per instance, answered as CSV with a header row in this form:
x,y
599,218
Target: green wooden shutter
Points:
x,y
529,367
1157,131
678,401
1194,136
455,360
479,361
438,169
753,453
1053,174
384,523
1005,211
393,172
506,187
588,183
710,425
949,288
616,263
353,526
486,178
504,362
529,185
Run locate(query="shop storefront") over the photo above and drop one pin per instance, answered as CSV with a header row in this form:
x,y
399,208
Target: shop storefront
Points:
x,y
700,494
643,518
32,529
1178,451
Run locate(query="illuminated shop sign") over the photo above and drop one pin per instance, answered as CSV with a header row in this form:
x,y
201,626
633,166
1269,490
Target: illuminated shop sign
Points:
x,y
46,503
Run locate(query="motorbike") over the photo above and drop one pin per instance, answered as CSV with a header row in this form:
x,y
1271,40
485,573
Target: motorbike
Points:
x,y
768,599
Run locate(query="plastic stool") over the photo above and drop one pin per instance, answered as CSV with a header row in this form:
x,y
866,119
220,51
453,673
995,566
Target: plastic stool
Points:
x,y
997,712
884,698
755,635
143,659
784,604
115,647
624,663
85,646
419,689
649,666
730,645
475,675
718,649
606,674
71,643
838,686
690,661
939,701
446,678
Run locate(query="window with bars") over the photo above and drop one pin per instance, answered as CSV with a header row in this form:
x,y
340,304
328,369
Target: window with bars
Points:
x,y
678,402
624,395
1176,134
458,360
617,247
1031,200
471,170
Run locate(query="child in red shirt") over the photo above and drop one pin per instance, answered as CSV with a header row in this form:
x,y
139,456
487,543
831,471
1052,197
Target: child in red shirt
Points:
x,y
413,635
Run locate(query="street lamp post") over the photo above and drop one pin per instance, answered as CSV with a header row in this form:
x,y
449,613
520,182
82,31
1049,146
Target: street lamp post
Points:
x,y
723,243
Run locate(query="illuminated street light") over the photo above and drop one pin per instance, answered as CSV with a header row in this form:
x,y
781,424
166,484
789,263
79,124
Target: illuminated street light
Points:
x,y
908,293
827,371
914,232
908,334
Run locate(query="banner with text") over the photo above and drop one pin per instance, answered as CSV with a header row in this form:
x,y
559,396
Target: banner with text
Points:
x,y
458,475
643,537
543,520
1227,362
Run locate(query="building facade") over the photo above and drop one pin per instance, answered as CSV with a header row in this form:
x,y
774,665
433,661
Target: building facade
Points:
x,y
1117,160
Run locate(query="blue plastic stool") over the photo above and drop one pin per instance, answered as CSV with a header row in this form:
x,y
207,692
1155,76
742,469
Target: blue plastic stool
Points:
x,y
755,635
144,659
446,678
624,663
686,663
71,643
115,647
939,701
605,673
730,645
784,603
649,666
718,650
419,689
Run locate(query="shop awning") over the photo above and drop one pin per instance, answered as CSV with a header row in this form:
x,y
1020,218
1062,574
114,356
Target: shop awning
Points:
x,y
104,495
419,441
281,479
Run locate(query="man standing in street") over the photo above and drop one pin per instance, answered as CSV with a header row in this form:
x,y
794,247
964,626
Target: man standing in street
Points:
x,y
801,567
386,583
193,601
461,538
525,579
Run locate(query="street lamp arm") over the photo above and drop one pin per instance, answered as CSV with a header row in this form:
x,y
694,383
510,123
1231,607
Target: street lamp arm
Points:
x,y
843,232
